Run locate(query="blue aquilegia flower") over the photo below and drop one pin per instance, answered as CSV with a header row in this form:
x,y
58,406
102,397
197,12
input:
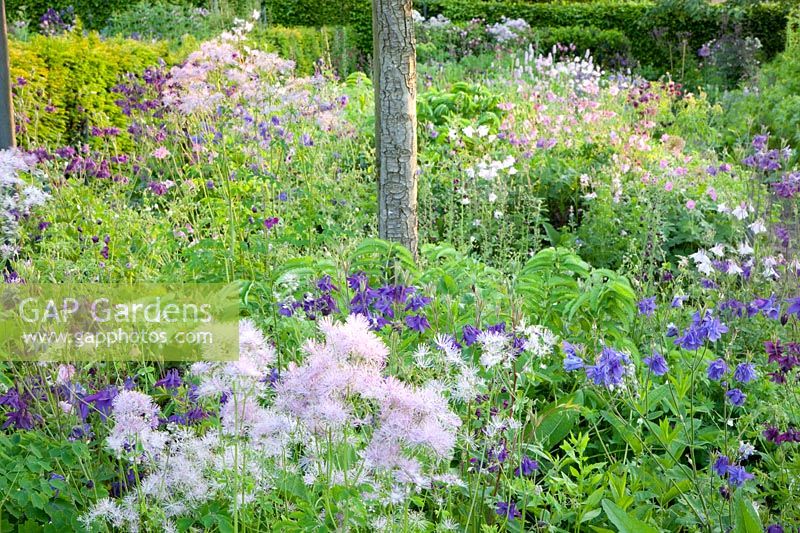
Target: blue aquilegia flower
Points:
x,y
657,364
736,397
720,466
745,373
677,301
418,323
737,475
610,368
572,361
703,327
717,369
647,306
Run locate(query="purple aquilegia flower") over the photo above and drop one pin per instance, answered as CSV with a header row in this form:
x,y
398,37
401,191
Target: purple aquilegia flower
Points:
x,y
736,397
526,467
417,302
672,330
717,369
469,334
647,306
325,284
745,373
507,510
102,401
418,323
172,380
794,306
657,364
271,222
774,528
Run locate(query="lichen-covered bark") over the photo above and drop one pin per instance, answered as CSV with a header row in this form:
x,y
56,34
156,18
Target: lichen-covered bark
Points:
x,y
395,81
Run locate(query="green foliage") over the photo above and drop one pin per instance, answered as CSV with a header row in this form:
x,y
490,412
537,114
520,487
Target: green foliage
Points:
x,y
638,20
354,13
793,32
162,20
44,481
306,46
606,46
771,103
475,104
75,75
93,13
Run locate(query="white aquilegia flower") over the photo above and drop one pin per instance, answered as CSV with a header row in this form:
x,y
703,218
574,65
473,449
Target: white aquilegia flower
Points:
x,y
758,227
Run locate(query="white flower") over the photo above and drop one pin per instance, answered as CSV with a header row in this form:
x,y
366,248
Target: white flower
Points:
x,y
758,227
492,197
718,250
469,131
498,214
745,249
734,269
741,211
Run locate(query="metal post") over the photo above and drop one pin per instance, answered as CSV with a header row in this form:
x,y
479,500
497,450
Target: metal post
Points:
x,y
7,139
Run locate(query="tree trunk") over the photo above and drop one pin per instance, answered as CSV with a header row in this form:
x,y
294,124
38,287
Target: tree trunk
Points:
x,y
395,81
7,139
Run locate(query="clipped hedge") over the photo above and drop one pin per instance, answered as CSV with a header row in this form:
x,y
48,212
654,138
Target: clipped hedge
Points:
x,y
306,45
607,46
357,14
93,13
636,19
68,83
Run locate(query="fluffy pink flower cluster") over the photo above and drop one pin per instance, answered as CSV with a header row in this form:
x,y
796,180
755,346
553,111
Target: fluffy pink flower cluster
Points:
x,y
219,69
340,373
135,429
338,397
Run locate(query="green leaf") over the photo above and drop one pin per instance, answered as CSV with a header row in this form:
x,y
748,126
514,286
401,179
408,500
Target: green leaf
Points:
x,y
558,421
624,522
746,517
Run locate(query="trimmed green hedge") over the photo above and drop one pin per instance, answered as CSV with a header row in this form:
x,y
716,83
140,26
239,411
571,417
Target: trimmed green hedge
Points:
x,y
93,13
305,46
607,46
68,79
68,83
636,19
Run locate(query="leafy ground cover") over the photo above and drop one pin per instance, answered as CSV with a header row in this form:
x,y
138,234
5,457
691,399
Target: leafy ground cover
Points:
x,y
601,331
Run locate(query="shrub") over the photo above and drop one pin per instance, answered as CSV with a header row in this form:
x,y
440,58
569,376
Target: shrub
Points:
x,y
64,83
306,46
93,13
640,20
162,20
607,46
